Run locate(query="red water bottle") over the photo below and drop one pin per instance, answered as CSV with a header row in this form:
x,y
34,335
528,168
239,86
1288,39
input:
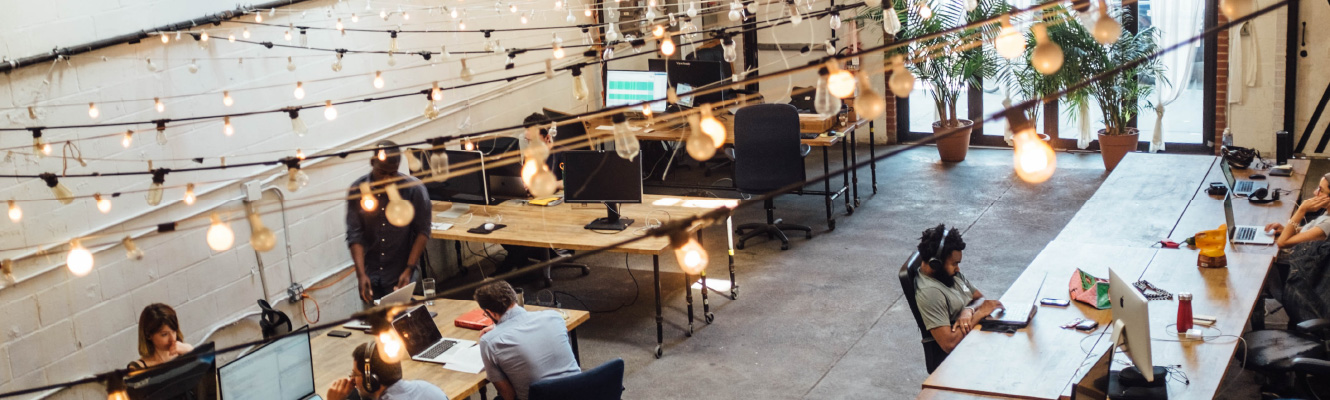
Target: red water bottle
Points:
x,y
1184,312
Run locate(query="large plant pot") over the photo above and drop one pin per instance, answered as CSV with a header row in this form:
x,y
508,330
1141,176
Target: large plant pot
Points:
x,y
1114,147
953,148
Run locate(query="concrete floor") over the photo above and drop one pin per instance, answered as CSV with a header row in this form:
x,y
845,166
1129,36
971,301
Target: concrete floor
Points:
x,y
824,319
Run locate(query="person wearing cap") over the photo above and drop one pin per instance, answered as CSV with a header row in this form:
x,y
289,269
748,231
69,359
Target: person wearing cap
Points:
x,y
385,255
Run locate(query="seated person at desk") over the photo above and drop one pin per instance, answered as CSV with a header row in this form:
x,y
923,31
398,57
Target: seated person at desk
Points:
x,y
385,255
521,256
949,304
521,347
1291,234
385,380
160,339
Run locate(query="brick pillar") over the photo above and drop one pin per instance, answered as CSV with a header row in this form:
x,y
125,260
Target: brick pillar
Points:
x,y
889,119
1221,85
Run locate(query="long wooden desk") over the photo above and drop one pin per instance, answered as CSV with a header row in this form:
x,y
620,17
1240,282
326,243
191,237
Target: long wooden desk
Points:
x,y
563,227
332,356
1140,202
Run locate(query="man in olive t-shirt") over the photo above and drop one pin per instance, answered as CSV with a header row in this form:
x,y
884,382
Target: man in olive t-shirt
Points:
x,y
949,305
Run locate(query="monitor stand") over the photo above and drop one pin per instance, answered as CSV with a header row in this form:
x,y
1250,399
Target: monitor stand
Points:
x,y
612,222
457,210
1129,384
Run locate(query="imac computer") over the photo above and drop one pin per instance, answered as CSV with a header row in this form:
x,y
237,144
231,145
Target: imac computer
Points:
x,y
192,376
462,189
1131,331
281,370
602,177
632,87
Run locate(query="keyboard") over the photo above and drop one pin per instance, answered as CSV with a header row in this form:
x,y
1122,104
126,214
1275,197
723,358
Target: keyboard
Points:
x,y
1245,234
1242,186
437,349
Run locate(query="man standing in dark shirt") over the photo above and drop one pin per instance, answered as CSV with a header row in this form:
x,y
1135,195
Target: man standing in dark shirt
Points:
x,y
386,255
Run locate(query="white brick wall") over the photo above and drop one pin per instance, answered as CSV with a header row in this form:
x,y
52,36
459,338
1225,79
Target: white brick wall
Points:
x,y
56,327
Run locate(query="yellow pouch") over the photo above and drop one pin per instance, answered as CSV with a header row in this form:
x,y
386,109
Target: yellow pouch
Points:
x,y
1211,244
545,201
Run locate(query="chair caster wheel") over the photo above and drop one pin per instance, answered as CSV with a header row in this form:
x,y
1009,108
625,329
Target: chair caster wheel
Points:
x,y
710,318
856,202
659,352
784,246
586,272
734,294
849,210
690,331
739,245
831,224
808,235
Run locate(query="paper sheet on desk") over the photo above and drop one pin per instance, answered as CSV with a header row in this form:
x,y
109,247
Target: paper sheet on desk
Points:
x,y
467,360
610,128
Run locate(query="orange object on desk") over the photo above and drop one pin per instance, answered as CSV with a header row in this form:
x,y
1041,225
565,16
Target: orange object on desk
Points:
x,y
474,319
1211,243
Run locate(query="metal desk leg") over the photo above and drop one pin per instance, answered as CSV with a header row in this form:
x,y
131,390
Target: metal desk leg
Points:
x,y
572,340
457,245
729,233
854,160
660,318
484,392
706,304
845,168
688,294
872,155
826,186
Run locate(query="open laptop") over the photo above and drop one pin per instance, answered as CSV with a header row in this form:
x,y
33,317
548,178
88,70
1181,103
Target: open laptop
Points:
x,y
1243,187
1015,316
423,339
397,296
1244,234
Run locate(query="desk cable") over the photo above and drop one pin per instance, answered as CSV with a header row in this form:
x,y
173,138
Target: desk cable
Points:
x,y
637,291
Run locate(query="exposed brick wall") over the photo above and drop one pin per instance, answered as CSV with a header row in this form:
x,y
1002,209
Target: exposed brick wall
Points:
x,y
1221,86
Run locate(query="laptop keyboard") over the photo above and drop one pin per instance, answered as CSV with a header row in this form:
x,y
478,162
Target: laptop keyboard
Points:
x,y
1245,234
1243,186
438,348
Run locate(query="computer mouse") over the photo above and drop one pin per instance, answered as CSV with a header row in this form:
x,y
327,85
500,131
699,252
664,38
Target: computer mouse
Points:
x,y
1256,177
489,226
1269,232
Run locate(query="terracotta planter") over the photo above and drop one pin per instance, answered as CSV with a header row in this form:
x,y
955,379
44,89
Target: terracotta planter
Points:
x,y
953,148
1114,147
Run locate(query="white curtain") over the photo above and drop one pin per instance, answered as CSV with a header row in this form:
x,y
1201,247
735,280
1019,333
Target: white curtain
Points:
x,y
1177,20
1243,63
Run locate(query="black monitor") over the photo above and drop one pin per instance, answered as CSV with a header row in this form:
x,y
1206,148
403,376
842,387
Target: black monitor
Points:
x,y
191,376
602,177
695,74
281,370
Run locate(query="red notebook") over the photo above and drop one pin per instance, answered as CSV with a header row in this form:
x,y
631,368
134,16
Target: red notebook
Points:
x,y
474,319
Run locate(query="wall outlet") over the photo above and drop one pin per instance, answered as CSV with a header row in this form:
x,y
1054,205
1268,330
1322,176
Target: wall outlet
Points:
x,y
253,190
294,293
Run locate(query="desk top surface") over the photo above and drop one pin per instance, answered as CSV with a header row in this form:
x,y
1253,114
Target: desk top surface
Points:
x,y
332,356
1206,212
662,133
1140,202
563,226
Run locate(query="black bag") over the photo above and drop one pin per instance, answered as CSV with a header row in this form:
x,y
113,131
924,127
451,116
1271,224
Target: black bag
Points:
x,y
1239,157
273,322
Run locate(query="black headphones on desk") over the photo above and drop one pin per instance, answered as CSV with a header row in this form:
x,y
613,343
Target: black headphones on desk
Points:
x,y
936,263
1260,196
369,381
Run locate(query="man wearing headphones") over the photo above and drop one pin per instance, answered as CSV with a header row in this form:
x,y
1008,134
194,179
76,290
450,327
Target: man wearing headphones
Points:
x,y
372,378
949,304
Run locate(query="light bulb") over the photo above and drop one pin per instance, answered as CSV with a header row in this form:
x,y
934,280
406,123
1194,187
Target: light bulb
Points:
x,y
329,112
692,257
1234,9
658,31
79,260
399,212
390,347
367,201
1047,57
435,94
46,149
15,213
103,204
297,125
835,21
287,35
383,13
300,154
625,141
128,139
712,127
92,111
727,45
431,112
579,85
841,84
378,79
161,133
290,64
340,27
558,52
1010,43
227,129
132,250
646,110
667,47
406,16
60,191
203,37
537,177
39,146
231,38
157,104
165,39
795,17
570,18
258,17
461,24
466,72
245,33
699,145
549,68
299,93
355,18
220,236
438,164
586,12
154,195
189,194
736,11
902,81
296,178
226,99
824,102
611,34
337,65
1106,29
1034,159
260,237
522,19
692,9
512,8
925,11
382,155
869,104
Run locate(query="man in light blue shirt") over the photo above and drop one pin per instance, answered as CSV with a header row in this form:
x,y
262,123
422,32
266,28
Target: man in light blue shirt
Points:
x,y
387,383
521,347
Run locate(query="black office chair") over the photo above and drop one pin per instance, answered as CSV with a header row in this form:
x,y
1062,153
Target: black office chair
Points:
x,y
933,353
766,158
1287,357
601,383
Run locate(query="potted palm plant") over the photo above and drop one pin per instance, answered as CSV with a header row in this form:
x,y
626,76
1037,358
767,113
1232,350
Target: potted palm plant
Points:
x,y
1118,96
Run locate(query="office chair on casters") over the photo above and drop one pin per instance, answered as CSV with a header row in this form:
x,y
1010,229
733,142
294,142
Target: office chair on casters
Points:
x,y
767,158
1286,358
601,383
933,353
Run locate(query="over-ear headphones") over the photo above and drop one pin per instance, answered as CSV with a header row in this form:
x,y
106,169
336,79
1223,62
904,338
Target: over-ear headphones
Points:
x,y
936,263
1259,196
369,381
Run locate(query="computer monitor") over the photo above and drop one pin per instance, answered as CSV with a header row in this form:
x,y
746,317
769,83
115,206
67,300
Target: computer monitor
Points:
x,y
602,177
1131,330
281,370
632,87
572,134
698,74
190,376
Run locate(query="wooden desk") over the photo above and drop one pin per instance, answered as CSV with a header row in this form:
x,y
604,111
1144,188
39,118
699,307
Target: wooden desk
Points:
x,y
997,364
563,227
1140,202
332,356
1206,212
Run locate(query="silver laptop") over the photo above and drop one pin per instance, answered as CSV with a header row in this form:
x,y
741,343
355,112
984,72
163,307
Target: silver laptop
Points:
x,y
1243,187
423,339
1244,234
1016,316
397,296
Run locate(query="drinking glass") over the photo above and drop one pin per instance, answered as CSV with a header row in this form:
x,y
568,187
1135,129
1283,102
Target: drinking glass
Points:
x,y
427,285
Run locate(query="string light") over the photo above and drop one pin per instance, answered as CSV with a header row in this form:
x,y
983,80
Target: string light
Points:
x,y
39,145
231,38
189,194
625,141
226,98
824,102
435,94
658,31
667,47
260,237
290,64
295,177
699,145
92,111
378,79
79,260
390,347
925,11
103,204
329,112
245,33
382,155
220,236
367,201
1234,9
154,195
161,133
355,18
203,37
869,104
15,213
579,84
399,211
692,256
227,129
902,81
165,39
115,387
841,82
157,104
587,12
1106,29
438,163
466,72
1035,160
300,154
128,139
712,127
522,19
60,191
1010,43
258,17
646,110
557,45
287,35
1047,57
299,93
297,125
132,251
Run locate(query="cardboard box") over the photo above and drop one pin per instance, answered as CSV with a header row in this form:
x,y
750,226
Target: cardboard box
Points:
x,y
816,123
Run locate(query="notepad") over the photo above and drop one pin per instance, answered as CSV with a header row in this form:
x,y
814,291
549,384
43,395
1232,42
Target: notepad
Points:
x,y
467,360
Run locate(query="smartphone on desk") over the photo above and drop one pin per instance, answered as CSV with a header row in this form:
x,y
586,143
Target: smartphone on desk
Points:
x,y
1049,301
